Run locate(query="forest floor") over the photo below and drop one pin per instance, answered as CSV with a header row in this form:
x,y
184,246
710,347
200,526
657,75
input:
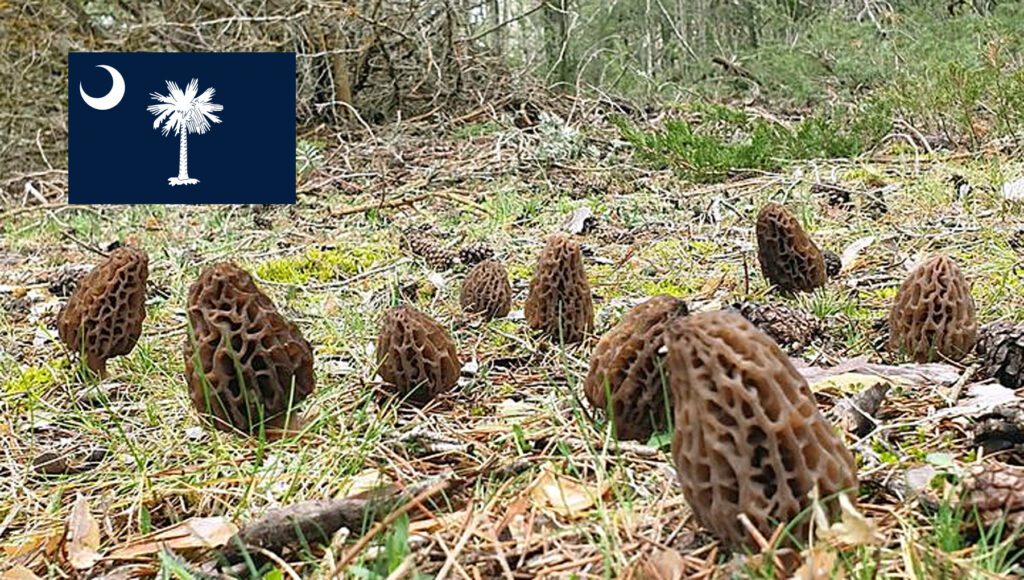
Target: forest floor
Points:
x,y
525,479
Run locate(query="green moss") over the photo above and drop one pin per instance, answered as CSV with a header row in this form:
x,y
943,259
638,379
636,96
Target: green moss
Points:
x,y
316,265
36,379
675,288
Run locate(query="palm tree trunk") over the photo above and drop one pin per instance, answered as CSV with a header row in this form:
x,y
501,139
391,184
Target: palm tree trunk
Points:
x,y
183,155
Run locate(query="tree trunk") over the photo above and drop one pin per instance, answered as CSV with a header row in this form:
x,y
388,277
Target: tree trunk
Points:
x,y
183,155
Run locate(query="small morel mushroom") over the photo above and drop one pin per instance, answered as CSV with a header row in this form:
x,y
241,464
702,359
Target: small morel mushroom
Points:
x,y
559,302
486,290
247,366
749,438
1001,346
416,355
103,317
933,315
628,366
789,258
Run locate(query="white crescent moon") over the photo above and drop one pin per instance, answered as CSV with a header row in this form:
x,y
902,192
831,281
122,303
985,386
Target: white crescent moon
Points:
x,y
111,99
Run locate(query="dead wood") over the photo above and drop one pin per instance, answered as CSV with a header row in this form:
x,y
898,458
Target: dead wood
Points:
x,y
316,521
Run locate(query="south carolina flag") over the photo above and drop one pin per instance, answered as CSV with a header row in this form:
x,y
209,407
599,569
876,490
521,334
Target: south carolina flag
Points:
x,y
181,127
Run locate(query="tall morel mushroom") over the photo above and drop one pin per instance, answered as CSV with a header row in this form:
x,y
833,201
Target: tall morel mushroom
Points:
x,y
247,366
487,290
103,317
628,367
789,258
559,302
416,355
749,438
933,315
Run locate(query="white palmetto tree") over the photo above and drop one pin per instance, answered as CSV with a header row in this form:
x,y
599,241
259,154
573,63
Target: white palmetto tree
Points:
x,y
184,113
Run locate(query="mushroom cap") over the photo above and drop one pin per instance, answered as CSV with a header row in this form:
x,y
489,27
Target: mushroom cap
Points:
x,y
749,438
628,366
487,290
933,315
245,363
416,355
559,303
103,317
789,258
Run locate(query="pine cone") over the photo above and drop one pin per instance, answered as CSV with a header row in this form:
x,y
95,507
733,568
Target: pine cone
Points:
x,y
791,328
1001,346
473,254
833,263
996,491
421,243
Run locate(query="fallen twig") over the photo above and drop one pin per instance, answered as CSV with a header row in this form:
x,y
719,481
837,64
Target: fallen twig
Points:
x,y
316,521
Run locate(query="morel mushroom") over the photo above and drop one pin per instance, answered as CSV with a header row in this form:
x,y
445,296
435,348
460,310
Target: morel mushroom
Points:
x,y
933,315
749,438
559,303
247,366
103,318
486,290
628,367
789,258
416,355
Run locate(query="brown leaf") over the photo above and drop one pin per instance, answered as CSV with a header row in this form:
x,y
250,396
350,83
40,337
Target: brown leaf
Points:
x,y
661,565
18,573
47,541
853,529
189,534
818,566
83,537
564,495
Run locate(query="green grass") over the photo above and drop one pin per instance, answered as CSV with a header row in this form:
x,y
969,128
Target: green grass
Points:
x,y
721,142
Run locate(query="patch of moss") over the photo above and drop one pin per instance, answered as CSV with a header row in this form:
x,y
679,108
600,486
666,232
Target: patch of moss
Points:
x,y
34,380
320,265
666,286
471,130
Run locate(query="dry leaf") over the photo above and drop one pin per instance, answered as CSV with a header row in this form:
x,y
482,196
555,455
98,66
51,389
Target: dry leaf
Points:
x,y
818,566
189,534
83,539
661,565
563,495
847,383
18,573
853,529
47,541
362,482
1013,190
852,251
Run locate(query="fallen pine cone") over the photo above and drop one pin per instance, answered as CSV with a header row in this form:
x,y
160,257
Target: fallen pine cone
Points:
x,y
995,491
